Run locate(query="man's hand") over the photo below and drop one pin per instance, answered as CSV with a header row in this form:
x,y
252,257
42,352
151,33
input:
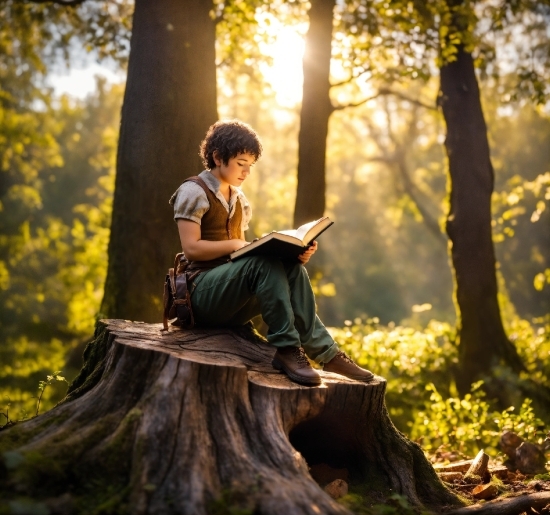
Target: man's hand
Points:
x,y
239,244
305,257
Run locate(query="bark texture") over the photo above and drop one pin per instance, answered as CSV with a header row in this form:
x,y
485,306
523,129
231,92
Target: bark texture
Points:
x,y
198,422
169,103
315,114
483,342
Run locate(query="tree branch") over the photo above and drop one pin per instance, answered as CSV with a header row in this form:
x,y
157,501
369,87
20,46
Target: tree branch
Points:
x,y
352,77
387,91
355,104
414,101
396,162
411,189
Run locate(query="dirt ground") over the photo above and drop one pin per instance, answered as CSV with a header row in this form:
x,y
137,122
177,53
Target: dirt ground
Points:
x,y
500,480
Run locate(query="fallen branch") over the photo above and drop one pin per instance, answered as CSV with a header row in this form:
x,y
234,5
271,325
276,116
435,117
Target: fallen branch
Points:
x,y
508,506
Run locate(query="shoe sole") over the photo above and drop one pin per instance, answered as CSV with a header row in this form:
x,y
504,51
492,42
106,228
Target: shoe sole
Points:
x,y
277,365
362,379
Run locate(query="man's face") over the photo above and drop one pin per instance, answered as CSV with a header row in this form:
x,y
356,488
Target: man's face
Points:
x,y
236,170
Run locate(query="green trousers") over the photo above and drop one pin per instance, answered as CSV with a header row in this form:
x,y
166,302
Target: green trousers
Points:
x,y
280,291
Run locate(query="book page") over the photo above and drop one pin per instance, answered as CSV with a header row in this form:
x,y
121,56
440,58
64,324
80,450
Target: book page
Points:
x,y
289,232
304,229
309,231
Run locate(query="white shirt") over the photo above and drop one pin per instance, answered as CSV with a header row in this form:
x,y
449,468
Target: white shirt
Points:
x,y
191,203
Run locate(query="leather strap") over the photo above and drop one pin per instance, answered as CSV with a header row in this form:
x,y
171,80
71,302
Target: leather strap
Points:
x,y
197,180
200,266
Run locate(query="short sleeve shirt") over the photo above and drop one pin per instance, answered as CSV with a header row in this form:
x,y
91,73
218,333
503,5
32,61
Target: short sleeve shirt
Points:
x,y
191,203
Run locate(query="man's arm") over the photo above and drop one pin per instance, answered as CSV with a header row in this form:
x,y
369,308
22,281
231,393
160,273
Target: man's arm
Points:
x,y
196,249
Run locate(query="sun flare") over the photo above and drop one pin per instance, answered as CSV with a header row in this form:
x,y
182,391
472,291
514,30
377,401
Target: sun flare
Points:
x,y
285,75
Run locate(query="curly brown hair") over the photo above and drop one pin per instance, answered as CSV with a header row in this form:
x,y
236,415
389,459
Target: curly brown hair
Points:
x,y
229,138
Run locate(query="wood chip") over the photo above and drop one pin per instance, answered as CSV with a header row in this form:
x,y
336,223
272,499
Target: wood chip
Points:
x,y
479,466
487,491
338,488
450,477
499,471
457,466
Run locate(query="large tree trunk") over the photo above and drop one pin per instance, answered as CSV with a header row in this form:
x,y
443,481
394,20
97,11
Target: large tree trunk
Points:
x,y
198,422
170,102
483,342
315,114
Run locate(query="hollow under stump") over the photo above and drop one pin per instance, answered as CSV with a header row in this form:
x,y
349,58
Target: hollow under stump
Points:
x,y
198,422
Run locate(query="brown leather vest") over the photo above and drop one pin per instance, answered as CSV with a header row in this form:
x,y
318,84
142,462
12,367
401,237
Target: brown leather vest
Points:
x,y
216,225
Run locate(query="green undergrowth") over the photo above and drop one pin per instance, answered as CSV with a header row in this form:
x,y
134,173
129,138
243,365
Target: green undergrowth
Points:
x,y
18,405
532,340
406,357
466,425
418,364
24,366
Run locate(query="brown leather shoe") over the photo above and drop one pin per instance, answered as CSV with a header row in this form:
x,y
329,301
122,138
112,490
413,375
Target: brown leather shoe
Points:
x,y
342,364
294,363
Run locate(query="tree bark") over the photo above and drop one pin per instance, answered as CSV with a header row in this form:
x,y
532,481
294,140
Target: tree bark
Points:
x,y
315,114
198,422
483,343
169,103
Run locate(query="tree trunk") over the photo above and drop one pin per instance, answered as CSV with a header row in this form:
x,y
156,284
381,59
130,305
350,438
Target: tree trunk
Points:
x,y
483,342
314,115
198,422
170,102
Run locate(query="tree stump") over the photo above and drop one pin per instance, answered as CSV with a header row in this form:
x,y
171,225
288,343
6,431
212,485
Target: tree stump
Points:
x,y
198,422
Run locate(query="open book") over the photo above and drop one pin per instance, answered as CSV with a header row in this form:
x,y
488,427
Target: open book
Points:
x,y
285,244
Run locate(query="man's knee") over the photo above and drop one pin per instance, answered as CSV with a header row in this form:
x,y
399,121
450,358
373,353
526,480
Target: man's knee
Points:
x,y
296,269
262,263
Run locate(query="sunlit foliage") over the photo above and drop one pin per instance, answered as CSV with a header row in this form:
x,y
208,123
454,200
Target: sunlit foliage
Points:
x,y
56,184
470,424
408,358
36,35
402,38
421,397
53,247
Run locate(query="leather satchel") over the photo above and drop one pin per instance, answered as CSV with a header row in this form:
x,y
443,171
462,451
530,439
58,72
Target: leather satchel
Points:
x,y
177,299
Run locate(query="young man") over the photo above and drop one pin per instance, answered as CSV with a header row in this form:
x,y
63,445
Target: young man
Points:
x,y
212,214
